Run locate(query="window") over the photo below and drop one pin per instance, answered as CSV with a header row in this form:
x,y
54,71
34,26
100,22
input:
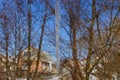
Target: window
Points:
x,y
32,54
25,54
0,59
45,66
24,66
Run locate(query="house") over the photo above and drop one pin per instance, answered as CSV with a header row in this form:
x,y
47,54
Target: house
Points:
x,y
46,63
2,66
2,61
11,67
67,69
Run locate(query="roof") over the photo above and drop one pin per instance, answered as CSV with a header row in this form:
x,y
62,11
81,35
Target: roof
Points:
x,y
45,56
1,55
84,59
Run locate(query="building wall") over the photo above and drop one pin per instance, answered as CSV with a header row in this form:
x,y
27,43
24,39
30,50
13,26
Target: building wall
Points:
x,y
45,64
33,66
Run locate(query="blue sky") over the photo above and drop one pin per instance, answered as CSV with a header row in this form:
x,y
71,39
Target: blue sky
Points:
x,y
38,11
37,18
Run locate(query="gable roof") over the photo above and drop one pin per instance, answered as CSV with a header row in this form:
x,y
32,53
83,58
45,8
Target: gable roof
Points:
x,y
45,57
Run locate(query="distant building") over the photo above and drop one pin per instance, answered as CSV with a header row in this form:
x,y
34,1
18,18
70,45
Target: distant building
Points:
x,y
67,66
2,61
46,62
11,66
2,66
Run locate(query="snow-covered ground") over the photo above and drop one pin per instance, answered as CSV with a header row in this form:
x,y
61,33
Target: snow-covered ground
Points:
x,y
21,79
54,77
48,78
